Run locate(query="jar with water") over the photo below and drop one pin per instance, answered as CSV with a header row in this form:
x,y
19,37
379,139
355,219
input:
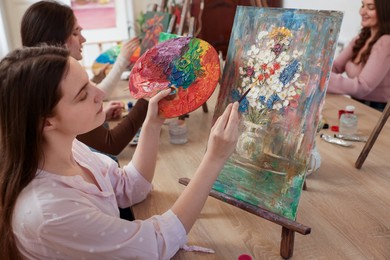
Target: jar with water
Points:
x,y
348,124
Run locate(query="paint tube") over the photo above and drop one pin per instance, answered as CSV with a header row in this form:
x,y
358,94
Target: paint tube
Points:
x,y
356,138
333,140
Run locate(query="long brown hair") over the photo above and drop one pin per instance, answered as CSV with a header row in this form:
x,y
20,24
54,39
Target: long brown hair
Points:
x,y
382,8
29,91
47,22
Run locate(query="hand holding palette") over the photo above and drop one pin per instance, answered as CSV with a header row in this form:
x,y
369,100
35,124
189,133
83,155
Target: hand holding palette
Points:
x,y
189,66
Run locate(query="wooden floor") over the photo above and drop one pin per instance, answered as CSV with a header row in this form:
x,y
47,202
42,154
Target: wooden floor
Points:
x,y
347,209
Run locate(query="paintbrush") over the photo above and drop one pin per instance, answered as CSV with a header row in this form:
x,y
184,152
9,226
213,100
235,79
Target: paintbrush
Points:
x,y
249,89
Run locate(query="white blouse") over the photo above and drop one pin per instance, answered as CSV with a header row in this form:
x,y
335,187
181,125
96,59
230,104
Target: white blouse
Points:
x,y
65,217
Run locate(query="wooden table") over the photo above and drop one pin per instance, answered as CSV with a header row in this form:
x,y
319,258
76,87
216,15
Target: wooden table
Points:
x,y
347,209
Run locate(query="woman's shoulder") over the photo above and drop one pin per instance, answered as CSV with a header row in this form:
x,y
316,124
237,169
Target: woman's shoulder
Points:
x,y
384,43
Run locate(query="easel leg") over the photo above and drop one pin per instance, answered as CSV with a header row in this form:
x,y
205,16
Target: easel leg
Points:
x,y
287,243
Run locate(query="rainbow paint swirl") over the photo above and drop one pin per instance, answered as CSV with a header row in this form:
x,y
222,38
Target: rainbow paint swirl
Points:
x,y
188,65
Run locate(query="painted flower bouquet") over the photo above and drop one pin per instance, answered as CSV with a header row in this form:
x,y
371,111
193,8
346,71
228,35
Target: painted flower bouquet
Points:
x,y
271,69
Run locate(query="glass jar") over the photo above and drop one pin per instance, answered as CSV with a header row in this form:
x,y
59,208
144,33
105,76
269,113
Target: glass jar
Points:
x,y
178,132
250,143
348,124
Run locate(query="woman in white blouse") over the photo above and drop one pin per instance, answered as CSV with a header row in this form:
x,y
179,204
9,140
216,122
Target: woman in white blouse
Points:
x,y
59,200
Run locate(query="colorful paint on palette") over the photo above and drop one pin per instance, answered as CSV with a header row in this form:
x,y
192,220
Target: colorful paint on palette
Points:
x,y
189,66
284,56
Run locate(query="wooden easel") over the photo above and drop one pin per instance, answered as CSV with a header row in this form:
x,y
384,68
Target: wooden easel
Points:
x,y
289,227
373,136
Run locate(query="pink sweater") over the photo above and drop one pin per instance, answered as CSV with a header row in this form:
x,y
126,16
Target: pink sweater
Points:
x,y
64,217
367,82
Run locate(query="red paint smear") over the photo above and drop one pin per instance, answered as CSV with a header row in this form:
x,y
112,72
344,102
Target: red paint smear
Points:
x,y
153,72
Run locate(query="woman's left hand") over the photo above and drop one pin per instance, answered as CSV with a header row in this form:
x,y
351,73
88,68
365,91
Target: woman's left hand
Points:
x,y
114,110
152,115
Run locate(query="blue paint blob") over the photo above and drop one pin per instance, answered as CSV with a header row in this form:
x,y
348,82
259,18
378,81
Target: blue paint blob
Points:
x,y
243,107
288,73
291,21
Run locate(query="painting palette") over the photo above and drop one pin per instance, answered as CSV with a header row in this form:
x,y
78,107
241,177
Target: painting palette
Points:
x,y
189,66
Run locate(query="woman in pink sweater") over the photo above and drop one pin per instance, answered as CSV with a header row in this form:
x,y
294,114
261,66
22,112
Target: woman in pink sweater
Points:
x,y
366,60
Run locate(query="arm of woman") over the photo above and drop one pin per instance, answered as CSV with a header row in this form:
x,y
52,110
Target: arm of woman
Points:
x,y
342,59
109,82
374,71
113,141
222,141
145,155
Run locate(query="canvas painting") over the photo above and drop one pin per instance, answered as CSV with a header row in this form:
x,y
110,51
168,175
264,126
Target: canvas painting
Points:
x,y
109,56
155,23
284,56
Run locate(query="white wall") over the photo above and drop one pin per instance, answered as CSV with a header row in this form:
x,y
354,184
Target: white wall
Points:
x,y
351,21
4,42
9,36
13,12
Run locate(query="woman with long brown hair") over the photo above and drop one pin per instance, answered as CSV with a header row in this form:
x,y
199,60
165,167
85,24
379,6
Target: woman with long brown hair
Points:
x,y
58,199
366,60
54,23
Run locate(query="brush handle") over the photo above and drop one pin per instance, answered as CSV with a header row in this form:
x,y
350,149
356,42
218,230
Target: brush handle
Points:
x,y
246,93
249,89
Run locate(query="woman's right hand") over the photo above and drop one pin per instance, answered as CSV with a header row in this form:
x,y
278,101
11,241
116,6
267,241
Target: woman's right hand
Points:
x,y
129,47
224,134
221,143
